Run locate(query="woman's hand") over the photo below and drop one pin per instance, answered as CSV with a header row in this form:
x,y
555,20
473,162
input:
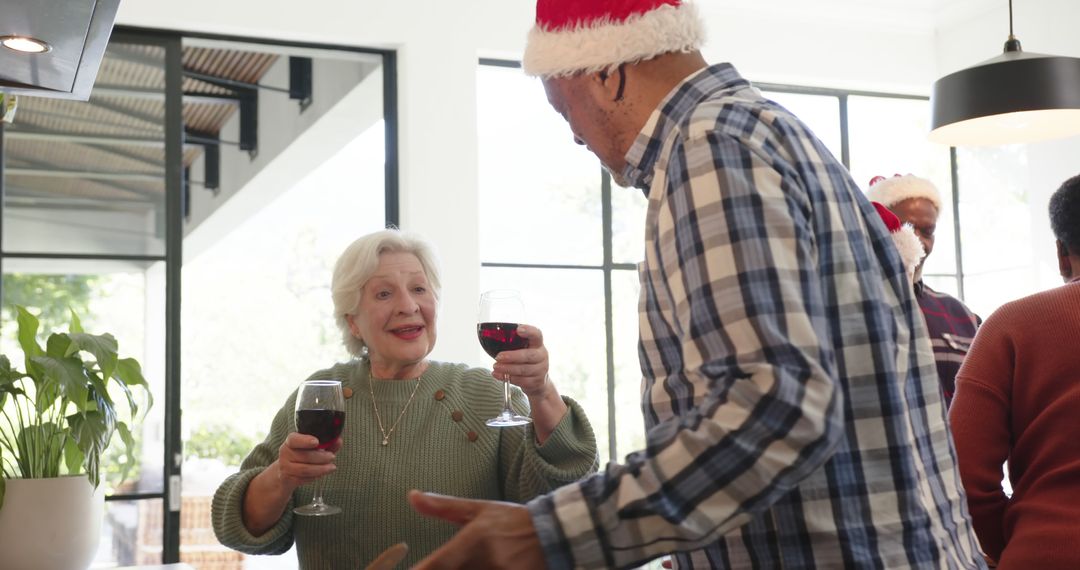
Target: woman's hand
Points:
x,y
300,461
527,368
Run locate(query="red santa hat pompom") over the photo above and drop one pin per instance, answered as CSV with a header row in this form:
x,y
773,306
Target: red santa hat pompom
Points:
x,y
572,36
892,191
903,236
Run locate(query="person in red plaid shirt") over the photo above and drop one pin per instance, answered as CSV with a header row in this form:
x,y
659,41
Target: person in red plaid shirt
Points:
x,y
951,324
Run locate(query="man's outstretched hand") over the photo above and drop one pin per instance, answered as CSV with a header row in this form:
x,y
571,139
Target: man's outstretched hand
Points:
x,y
492,534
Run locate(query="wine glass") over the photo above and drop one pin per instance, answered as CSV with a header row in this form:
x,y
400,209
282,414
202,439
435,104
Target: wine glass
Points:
x,y
320,411
501,311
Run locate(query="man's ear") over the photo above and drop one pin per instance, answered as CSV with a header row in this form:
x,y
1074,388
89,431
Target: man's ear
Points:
x,y
610,83
1064,265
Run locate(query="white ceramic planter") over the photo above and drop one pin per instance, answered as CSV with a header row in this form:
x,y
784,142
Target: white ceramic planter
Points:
x,y
50,524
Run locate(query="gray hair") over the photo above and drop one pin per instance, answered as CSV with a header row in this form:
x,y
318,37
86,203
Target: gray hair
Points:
x,y
359,262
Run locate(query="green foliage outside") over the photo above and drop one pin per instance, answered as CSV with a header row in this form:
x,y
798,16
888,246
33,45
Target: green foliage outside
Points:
x,y
220,442
51,297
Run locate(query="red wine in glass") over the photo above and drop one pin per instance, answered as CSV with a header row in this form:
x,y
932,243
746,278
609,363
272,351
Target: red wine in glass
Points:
x,y
497,337
500,312
323,424
320,412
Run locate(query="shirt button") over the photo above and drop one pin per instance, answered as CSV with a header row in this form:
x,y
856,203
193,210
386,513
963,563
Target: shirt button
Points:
x,y
457,415
347,392
472,435
439,395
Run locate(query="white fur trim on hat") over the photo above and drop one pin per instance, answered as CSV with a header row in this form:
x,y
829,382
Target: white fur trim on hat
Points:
x,y
910,247
600,45
892,191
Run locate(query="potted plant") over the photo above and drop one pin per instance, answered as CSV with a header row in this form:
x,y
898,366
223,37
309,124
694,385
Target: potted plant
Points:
x,y
57,417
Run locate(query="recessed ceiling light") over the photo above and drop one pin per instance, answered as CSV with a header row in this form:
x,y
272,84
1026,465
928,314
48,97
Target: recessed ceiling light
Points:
x,y
25,44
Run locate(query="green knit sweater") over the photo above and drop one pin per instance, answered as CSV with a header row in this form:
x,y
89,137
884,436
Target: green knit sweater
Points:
x,y
434,448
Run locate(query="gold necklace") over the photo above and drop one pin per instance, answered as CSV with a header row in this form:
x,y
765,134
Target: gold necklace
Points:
x,y
378,418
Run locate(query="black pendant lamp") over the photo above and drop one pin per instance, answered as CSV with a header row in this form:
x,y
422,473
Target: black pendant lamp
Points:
x,y
1016,97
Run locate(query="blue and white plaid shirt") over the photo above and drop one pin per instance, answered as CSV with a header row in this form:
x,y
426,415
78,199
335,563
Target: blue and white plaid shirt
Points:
x,y
794,416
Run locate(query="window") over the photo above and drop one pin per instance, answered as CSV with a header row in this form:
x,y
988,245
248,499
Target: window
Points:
x,y
85,228
1008,245
569,279
99,200
580,285
888,136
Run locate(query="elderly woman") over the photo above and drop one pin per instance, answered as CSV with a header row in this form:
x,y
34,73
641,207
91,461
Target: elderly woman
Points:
x,y
411,423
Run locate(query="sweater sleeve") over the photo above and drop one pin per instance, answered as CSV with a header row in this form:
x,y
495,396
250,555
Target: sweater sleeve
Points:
x,y
568,455
228,504
981,428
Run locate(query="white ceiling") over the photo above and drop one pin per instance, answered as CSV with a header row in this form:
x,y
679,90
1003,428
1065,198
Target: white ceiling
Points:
x,y
898,15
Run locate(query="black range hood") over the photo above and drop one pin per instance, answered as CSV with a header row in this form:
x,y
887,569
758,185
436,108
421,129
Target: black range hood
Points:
x,y
77,32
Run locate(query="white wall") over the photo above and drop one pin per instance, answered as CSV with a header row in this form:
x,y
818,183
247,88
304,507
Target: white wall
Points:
x,y
79,231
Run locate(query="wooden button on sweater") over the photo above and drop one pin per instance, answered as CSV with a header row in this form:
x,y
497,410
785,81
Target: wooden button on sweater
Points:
x,y
439,395
472,435
457,415
347,392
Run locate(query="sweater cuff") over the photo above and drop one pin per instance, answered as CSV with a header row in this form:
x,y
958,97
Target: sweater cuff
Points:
x,y
228,513
572,437
564,525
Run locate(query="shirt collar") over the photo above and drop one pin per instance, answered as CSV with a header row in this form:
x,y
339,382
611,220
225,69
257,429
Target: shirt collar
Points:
x,y
672,111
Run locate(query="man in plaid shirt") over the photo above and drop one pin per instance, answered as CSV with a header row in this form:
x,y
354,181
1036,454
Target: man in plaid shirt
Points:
x,y
793,413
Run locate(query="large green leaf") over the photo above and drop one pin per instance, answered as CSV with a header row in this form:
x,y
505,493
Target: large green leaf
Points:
x,y
133,406
76,323
73,457
68,373
28,326
58,345
99,401
92,431
130,373
8,375
102,346
98,393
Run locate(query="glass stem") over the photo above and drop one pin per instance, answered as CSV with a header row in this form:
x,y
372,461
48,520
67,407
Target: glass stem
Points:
x,y
506,399
316,495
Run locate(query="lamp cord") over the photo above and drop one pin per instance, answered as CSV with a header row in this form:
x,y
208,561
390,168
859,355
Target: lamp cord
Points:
x,y
1012,44
1010,20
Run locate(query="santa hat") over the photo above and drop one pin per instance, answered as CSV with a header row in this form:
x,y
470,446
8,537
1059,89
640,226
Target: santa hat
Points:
x,y
572,36
892,191
903,236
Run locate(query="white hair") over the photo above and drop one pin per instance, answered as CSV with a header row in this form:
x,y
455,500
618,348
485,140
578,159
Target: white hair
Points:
x,y
359,262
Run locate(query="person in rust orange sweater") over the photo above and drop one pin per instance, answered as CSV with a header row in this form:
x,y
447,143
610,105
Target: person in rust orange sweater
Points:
x,y
1018,399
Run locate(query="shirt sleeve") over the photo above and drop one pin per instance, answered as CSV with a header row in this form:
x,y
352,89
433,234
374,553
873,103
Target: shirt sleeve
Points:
x,y
228,504
739,261
980,420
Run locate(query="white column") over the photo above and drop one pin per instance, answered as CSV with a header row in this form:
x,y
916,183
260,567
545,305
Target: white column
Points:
x,y
439,195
